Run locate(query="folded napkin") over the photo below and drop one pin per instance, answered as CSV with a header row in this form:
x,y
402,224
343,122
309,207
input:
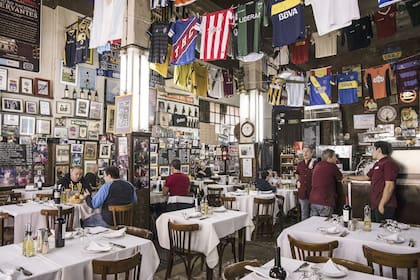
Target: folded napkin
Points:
x,y
69,234
403,226
262,271
219,209
96,230
194,215
98,247
330,268
241,191
115,233
333,229
393,237
266,192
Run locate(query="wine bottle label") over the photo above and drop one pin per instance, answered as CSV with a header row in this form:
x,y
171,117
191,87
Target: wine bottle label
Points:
x,y
346,215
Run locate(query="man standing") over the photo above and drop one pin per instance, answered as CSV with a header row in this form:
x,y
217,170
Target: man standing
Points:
x,y
113,192
304,180
324,185
177,183
383,175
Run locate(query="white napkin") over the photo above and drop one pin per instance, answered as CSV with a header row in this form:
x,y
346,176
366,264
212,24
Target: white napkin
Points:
x,y
333,229
403,226
96,230
393,237
219,209
194,215
262,271
241,191
115,233
330,268
98,247
69,234
266,192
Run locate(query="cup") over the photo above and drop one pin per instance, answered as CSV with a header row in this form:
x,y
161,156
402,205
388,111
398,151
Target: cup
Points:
x,y
353,224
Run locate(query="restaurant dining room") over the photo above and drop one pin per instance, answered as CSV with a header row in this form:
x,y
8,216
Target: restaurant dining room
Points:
x,y
203,139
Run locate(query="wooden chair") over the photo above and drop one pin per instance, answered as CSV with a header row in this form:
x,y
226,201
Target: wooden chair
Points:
x,y
264,216
404,261
305,249
122,214
43,196
6,233
228,201
180,244
294,215
280,218
238,187
105,267
355,266
51,216
15,197
237,270
139,232
230,239
214,196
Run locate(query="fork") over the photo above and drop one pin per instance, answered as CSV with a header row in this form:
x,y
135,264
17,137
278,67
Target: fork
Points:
x,y
305,264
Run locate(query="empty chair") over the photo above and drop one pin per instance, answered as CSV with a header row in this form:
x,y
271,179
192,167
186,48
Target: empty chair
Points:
x,y
355,266
51,216
43,196
280,218
139,232
180,244
115,267
237,270
228,201
6,233
263,216
305,249
214,196
121,214
403,261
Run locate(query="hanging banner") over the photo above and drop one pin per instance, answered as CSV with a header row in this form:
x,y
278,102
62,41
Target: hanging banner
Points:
x,y
20,34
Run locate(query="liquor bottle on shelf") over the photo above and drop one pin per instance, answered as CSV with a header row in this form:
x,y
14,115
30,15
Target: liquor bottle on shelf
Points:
x,y
168,108
189,112
96,98
346,213
82,94
74,93
60,229
39,183
89,94
183,110
66,92
277,271
196,113
175,109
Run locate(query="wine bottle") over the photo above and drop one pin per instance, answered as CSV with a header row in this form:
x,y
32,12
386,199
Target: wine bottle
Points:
x,y
66,92
60,229
197,201
346,213
89,94
30,250
57,195
183,110
74,93
96,96
175,109
189,112
24,239
277,271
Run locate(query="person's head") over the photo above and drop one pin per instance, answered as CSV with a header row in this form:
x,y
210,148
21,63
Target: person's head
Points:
x,y
329,156
203,165
264,175
94,168
381,149
176,165
307,153
111,173
76,173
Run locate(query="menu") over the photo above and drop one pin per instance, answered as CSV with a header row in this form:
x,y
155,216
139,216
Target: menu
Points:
x,y
15,154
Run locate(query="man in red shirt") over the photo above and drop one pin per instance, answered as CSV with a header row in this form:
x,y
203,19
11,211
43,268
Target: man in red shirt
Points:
x,y
383,175
324,185
304,180
177,183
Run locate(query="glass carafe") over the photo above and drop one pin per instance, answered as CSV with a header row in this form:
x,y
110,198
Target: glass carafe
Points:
x,y
367,222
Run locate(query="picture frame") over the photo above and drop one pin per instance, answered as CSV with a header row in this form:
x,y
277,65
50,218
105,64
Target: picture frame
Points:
x,y
42,88
9,119
88,166
123,114
60,122
26,125
91,150
44,108
7,176
95,111
103,162
64,108
43,126
185,168
68,75
153,159
12,85
86,78
26,85
105,150
62,154
3,79
246,151
110,119
83,131
76,159
61,171
12,105
112,90
154,147
93,130
60,132
164,170
73,131
82,108
76,148
153,172
31,107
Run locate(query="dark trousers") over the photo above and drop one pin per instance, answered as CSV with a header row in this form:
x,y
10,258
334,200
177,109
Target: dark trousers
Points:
x,y
377,217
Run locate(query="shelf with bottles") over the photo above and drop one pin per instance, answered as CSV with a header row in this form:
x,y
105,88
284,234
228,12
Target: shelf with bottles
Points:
x,y
82,94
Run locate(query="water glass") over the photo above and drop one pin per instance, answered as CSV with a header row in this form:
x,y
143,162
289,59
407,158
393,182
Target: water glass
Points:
x,y
334,219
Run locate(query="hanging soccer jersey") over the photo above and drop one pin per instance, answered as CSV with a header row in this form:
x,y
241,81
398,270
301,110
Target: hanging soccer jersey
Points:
x,y
288,21
300,51
320,90
184,35
295,87
182,75
408,74
228,82
275,90
199,80
385,21
83,53
347,87
325,45
247,30
413,8
158,33
384,3
70,48
378,81
180,3
162,68
215,83
215,32
359,33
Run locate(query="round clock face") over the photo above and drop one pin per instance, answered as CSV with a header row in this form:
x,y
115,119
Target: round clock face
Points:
x,y
247,129
387,114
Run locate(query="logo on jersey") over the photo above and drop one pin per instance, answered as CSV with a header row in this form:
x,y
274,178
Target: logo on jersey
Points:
x,y
378,79
287,14
184,41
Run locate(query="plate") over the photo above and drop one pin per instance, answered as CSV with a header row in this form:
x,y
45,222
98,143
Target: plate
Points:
x,y
398,241
219,209
70,234
343,271
326,231
402,226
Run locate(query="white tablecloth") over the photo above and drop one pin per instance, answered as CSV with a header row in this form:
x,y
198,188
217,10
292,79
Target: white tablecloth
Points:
x,y
291,265
205,240
31,194
350,247
289,198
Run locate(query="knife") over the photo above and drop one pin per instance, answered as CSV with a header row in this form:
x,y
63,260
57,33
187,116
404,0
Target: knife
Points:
x,y
305,264
24,271
117,245
203,218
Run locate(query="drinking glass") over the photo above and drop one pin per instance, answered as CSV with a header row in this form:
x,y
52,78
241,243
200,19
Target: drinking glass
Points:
x,y
334,219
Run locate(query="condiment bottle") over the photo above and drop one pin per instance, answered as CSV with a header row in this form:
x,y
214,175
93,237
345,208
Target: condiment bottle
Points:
x,y
367,222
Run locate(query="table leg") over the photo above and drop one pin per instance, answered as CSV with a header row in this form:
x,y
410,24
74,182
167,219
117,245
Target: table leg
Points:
x,y
209,273
241,243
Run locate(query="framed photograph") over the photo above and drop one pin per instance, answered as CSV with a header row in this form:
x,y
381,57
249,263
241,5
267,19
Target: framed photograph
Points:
x,y
44,108
60,132
12,105
27,125
164,171
9,119
83,131
68,75
3,79
91,150
246,151
104,150
110,119
185,168
86,78
93,130
43,126
60,122
153,159
73,131
42,88
153,172
30,107
123,114
153,147
76,148
63,108
76,159
25,140
7,176
61,171
103,162
82,108
95,111
62,153
112,90
26,85
13,85
89,166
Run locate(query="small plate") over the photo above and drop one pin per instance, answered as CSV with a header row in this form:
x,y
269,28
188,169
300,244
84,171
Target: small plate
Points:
x,y
326,231
103,248
402,226
399,241
219,209
343,271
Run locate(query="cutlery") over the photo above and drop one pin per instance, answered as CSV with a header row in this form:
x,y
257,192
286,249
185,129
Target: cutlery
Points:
x,y
412,243
305,264
344,234
117,245
24,271
203,218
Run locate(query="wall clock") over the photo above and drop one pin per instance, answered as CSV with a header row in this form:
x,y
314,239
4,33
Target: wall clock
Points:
x,y
387,114
247,129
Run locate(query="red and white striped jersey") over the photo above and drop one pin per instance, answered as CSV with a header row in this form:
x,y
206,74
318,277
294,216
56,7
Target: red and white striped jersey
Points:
x,y
215,31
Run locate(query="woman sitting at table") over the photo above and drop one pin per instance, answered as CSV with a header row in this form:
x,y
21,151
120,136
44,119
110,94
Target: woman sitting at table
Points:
x,y
75,180
203,171
261,183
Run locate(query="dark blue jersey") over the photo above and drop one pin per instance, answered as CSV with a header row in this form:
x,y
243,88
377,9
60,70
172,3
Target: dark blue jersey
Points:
x,y
347,87
320,90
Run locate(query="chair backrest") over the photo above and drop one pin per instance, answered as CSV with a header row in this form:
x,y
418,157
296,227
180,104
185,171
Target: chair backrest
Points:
x,y
355,266
105,267
180,236
3,216
238,187
15,196
228,201
139,232
122,214
51,216
44,195
264,206
305,249
214,196
237,270
404,261
280,203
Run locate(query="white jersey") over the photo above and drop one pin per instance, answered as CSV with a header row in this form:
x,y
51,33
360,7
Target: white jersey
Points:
x,y
295,91
325,45
215,83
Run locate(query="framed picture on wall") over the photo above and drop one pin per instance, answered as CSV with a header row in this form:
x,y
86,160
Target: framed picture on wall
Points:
x,y
83,132
43,126
26,85
30,107
44,108
185,168
153,159
154,147
9,119
153,172
86,78
12,105
164,170
95,111
91,150
89,166
27,125
110,119
112,90
123,114
3,79
62,153
61,171
68,75
42,88
12,85
60,132
76,148
64,108
82,108
104,150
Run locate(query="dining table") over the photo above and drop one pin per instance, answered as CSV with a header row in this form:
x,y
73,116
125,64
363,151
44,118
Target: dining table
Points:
x,y
74,260
30,194
315,230
289,198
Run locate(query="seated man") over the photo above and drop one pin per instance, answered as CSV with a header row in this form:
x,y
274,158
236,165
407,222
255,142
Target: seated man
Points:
x,y
261,183
113,192
203,171
75,180
177,184
92,178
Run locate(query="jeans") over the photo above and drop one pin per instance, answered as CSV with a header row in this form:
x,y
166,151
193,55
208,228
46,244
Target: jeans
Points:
x,y
304,208
377,217
321,210
95,220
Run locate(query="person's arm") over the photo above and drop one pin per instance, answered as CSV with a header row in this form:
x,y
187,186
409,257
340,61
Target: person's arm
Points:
x,y
208,172
98,199
355,178
165,189
386,195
